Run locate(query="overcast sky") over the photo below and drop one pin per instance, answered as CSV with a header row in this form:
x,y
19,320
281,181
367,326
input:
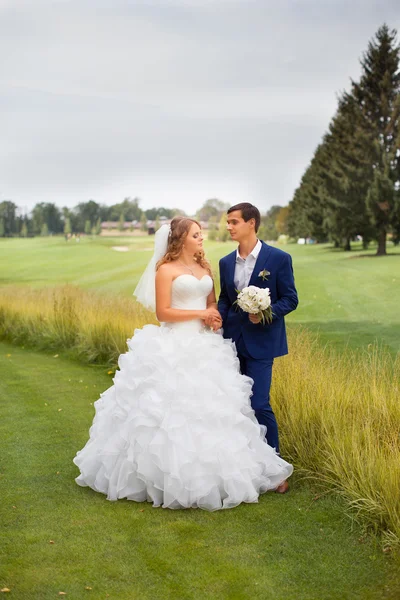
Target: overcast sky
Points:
x,y
172,101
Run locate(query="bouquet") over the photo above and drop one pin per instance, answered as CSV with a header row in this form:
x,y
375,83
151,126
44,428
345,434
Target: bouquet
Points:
x,y
256,301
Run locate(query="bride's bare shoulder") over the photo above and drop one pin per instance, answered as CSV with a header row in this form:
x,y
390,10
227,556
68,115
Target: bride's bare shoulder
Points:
x,y
167,269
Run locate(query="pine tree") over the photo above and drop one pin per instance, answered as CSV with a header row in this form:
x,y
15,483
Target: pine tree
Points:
x,y
346,189
378,98
306,210
346,172
380,199
2,228
98,227
8,214
88,227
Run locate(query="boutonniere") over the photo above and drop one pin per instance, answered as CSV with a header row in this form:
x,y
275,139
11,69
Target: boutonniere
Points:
x,y
264,274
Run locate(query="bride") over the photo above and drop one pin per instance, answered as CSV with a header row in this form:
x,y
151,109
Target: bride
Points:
x,y
177,428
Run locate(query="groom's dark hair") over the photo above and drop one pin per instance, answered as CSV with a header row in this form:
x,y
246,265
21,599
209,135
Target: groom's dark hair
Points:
x,y
248,212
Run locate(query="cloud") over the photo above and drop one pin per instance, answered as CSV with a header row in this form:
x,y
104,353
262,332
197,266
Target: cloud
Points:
x,y
228,98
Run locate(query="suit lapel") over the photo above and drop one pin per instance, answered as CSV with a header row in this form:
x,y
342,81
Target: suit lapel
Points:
x,y
231,271
260,263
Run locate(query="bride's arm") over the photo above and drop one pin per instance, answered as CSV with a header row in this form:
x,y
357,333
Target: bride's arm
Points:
x,y
211,299
164,311
212,321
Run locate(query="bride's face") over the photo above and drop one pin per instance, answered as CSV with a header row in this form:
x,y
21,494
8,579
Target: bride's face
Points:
x,y
194,240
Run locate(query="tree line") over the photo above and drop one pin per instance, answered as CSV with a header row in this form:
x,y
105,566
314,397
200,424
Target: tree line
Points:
x,y
350,188
86,217
352,185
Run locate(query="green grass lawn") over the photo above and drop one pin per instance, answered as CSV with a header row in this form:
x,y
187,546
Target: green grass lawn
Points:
x,y
294,547
349,298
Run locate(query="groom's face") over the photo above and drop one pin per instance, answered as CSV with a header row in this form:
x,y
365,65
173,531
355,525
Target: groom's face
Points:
x,y
238,228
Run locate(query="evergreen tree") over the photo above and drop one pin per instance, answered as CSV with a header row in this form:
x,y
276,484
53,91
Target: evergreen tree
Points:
x,y
86,211
2,228
157,223
380,201
378,98
358,157
331,199
98,227
8,214
49,213
396,219
297,222
88,227
345,171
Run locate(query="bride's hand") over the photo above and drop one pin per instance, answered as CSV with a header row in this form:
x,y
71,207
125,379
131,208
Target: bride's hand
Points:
x,y
212,318
215,324
213,321
211,314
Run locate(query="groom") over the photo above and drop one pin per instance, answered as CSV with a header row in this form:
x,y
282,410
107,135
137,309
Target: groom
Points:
x,y
256,263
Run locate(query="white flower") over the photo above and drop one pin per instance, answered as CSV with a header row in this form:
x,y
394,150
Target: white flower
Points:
x,y
264,274
253,299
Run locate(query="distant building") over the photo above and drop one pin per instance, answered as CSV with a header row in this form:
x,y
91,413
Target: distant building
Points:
x,y
113,227
116,225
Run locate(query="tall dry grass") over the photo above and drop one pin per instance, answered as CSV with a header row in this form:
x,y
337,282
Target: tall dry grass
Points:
x,y
91,326
339,414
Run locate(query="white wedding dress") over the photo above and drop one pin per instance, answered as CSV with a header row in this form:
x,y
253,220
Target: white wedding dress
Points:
x,y
176,428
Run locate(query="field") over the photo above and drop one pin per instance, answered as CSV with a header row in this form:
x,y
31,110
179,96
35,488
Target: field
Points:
x,y
337,402
57,536
350,299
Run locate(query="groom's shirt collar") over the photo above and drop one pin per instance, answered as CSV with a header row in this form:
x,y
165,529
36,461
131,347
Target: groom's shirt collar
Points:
x,y
244,267
254,253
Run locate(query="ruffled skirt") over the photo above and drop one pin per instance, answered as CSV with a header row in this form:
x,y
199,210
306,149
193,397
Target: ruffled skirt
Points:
x,y
177,428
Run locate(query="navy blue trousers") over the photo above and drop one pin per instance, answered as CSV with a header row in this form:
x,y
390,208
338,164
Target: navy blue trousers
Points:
x,y
260,370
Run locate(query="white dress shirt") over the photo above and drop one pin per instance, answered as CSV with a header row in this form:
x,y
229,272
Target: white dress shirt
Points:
x,y
244,267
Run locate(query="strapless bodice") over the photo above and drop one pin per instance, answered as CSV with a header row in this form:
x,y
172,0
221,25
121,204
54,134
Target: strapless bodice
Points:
x,y
189,293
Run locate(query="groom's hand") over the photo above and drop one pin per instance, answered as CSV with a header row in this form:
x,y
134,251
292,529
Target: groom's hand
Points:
x,y
214,322
254,319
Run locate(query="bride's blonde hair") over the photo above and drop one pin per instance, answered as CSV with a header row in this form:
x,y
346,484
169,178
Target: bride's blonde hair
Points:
x,y
180,227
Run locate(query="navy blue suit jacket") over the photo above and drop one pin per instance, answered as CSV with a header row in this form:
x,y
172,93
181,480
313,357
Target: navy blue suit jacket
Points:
x,y
262,341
